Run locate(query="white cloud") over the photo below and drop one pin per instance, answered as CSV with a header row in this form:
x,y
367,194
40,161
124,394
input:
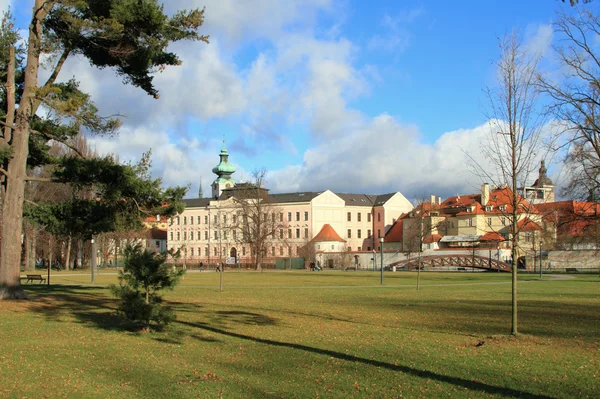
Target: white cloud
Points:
x,y
386,156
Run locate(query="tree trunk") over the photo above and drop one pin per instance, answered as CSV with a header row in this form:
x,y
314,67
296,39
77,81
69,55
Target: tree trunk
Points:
x,y
12,208
68,256
28,235
80,253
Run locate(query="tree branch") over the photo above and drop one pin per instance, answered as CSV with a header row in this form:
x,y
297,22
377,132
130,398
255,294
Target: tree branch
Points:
x,y
4,172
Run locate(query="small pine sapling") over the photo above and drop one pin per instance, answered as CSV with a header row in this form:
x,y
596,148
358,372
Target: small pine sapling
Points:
x,y
144,275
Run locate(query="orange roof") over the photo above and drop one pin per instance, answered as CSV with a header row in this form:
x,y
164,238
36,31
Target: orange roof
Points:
x,y
158,234
328,233
527,224
432,238
394,234
491,236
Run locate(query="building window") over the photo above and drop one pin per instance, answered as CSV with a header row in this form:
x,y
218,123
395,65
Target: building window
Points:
x,y
349,233
368,233
378,233
306,216
305,233
205,251
191,220
358,233
358,217
289,216
171,235
234,234
243,251
198,220
216,235
297,233
205,219
178,236
369,217
297,216
280,251
234,218
192,252
215,251
184,236
224,219
224,235
281,234
178,220
349,216
379,216
273,251
489,221
289,233
206,234
216,219
281,216
470,222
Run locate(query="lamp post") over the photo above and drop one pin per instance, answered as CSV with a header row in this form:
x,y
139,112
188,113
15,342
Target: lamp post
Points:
x,y
541,242
498,258
93,258
381,247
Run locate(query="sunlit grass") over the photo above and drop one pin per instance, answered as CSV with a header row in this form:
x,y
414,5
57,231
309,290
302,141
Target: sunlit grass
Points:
x,y
302,334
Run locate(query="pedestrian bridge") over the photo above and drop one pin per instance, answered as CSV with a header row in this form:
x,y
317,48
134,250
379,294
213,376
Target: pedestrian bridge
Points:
x,y
445,261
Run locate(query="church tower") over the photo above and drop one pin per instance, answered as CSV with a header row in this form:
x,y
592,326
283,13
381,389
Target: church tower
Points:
x,y
542,191
223,170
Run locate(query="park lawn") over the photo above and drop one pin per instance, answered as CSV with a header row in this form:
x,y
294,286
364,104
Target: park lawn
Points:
x,y
302,334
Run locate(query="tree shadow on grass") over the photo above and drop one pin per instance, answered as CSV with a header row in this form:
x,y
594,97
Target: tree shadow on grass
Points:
x,y
430,375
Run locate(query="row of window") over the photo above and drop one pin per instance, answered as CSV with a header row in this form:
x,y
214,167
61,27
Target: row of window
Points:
x,y
359,217
224,235
359,233
178,219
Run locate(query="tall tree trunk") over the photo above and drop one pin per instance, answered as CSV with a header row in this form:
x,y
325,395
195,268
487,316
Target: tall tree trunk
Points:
x,y
80,253
34,234
68,256
27,233
12,208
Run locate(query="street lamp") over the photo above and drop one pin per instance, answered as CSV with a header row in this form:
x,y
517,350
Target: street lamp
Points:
x,y
381,247
498,258
541,242
93,258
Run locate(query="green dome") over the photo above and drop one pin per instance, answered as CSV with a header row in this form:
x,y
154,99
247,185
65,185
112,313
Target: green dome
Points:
x,y
224,169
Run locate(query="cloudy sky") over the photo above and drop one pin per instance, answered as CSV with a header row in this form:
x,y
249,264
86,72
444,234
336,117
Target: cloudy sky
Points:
x,y
352,96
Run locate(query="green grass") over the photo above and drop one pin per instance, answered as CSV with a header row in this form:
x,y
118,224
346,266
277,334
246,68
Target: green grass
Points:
x,y
305,335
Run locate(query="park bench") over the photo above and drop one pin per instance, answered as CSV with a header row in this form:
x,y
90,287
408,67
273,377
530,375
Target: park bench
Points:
x,y
461,268
571,270
34,277
351,269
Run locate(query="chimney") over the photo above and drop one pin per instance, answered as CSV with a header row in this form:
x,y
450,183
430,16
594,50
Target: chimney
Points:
x,y
432,199
439,202
485,194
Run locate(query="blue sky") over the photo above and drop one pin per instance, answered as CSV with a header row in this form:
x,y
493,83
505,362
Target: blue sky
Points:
x,y
352,96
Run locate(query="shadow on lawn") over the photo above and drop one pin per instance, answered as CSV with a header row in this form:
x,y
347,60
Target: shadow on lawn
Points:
x,y
468,384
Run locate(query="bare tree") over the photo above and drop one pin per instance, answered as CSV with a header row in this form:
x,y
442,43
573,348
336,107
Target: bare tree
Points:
x,y
576,98
258,222
515,136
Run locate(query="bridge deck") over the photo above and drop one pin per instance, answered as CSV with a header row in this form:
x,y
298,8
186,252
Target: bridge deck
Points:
x,y
475,261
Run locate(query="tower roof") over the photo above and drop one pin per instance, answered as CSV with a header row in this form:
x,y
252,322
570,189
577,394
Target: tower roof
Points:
x,y
328,233
542,180
224,169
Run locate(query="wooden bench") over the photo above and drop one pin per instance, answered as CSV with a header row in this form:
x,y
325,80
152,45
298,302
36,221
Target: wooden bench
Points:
x,y
351,269
571,270
461,268
34,277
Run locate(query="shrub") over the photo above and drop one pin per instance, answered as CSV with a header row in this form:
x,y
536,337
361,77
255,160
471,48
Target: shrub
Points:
x,y
144,275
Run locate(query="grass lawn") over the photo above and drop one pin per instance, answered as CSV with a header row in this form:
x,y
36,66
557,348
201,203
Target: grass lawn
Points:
x,y
309,335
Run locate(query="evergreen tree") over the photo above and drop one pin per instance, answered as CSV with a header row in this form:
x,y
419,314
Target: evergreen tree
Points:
x,y
129,36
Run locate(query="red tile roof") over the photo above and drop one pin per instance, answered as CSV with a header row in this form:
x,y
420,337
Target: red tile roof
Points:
x,y
527,224
394,234
328,233
432,238
492,236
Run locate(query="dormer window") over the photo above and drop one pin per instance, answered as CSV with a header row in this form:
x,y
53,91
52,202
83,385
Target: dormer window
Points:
x,y
489,208
502,208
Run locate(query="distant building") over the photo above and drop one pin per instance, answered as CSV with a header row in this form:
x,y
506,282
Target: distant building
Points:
x,y
205,234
